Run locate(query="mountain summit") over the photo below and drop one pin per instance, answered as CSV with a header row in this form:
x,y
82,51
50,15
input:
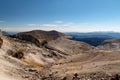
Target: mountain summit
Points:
x,y
38,36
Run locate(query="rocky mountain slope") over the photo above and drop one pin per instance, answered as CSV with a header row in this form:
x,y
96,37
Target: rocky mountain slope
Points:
x,y
111,44
58,59
38,36
70,47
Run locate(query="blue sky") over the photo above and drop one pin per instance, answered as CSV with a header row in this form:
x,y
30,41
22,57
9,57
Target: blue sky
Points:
x,y
61,15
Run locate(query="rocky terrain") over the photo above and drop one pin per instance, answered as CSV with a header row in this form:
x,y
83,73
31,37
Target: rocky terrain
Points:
x,y
111,44
50,55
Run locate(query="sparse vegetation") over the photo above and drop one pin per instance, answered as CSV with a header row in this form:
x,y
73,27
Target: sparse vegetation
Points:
x,y
17,54
10,52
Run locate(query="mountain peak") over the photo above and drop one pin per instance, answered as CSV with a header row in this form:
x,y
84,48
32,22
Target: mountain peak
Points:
x,y
38,36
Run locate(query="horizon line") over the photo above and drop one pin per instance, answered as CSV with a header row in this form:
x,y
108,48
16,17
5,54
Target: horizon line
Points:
x,y
63,31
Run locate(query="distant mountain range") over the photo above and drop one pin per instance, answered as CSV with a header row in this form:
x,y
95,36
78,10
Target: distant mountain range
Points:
x,y
82,35
93,38
8,33
95,34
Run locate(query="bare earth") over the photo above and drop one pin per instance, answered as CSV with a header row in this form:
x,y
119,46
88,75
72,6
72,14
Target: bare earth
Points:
x,y
61,61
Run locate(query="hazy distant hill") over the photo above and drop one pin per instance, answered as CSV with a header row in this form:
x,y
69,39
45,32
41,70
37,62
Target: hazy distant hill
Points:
x,y
8,33
95,34
93,38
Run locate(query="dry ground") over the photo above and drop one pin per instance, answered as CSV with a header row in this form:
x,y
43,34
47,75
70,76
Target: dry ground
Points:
x,y
40,62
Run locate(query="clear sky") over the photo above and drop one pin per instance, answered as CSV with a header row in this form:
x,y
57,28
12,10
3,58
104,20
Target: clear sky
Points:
x,y
61,15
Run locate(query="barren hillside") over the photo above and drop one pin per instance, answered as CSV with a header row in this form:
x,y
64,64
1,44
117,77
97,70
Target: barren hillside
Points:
x,y
58,59
111,44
